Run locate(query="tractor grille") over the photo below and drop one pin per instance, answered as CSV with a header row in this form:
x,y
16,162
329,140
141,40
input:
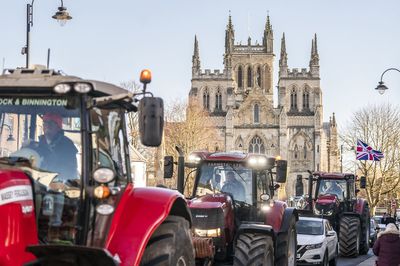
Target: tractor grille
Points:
x,y
208,218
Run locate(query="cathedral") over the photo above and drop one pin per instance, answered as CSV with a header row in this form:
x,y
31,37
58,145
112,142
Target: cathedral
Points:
x,y
239,100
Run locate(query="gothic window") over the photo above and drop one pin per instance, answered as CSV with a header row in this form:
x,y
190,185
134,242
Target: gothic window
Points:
x,y
317,148
296,152
218,101
293,100
258,76
256,114
206,100
256,145
306,100
249,77
305,151
240,77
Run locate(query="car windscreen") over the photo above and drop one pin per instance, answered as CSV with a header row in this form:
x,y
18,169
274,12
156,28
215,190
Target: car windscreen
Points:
x,y
308,227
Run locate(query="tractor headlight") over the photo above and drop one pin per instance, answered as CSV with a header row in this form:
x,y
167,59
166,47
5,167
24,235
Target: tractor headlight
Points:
x,y
314,246
62,88
82,87
207,232
194,159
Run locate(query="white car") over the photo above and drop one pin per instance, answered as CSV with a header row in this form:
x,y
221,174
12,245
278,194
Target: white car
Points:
x,y
317,242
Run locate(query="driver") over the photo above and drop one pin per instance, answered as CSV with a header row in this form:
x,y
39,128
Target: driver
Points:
x,y
234,187
58,152
335,189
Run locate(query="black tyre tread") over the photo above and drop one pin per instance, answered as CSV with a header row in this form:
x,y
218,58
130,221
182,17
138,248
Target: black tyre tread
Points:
x,y
282,246
170,241
365,220
348,233
252,249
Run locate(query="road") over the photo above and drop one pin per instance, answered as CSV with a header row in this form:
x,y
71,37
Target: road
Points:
x,y
354,261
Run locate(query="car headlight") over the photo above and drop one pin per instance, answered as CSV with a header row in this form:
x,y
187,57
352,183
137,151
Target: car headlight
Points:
x,y
207,232
314,246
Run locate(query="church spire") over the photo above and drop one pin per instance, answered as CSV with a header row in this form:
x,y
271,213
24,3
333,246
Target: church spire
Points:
x,y
268,38
229,43
314,61
196,57
283,60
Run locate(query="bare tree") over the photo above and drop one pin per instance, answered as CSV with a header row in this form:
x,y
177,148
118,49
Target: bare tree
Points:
x,y
189,127
378,126
133,122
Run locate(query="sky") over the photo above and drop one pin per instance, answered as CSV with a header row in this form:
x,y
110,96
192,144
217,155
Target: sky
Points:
x,y
114,40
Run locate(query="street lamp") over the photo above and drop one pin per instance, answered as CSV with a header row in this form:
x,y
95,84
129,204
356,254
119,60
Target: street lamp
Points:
x,y
62,16
381,88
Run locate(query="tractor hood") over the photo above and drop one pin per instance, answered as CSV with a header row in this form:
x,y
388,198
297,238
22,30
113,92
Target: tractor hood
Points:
x,y
327,199
210,201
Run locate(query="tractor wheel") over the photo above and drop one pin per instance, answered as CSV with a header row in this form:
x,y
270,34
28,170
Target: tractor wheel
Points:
x,y
365,221
349,236
287,246
253,249
170,244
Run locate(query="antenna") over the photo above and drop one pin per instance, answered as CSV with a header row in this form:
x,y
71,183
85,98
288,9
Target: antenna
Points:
x,y
48,58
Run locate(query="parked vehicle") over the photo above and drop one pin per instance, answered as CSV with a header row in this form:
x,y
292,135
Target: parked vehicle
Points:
x,y
373,232
235,216
92,215
317,242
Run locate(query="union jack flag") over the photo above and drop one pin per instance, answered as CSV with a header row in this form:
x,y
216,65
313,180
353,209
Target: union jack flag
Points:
x,y
366,153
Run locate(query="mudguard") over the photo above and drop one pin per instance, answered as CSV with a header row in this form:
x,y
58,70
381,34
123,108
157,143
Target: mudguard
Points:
x,y
359,206
139,213
274,216
256,228
17,219
287,215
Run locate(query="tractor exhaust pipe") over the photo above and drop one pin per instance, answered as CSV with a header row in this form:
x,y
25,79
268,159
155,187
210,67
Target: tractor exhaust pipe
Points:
x,y
181,170
310,186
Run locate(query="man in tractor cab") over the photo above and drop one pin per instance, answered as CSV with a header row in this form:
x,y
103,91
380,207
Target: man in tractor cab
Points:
x,y
58,152
335,189
234,187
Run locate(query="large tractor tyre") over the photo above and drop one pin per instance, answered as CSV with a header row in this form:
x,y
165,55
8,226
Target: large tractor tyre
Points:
x,y
287,246
254,249
349,236
171,244
365,228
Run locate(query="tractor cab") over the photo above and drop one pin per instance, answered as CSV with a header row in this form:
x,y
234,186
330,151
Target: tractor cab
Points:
x,y
68,135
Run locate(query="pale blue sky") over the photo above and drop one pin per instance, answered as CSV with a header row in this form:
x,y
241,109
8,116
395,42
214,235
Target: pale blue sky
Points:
x,y
114,40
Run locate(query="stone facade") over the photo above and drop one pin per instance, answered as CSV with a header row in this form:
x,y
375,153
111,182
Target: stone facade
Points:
x,y
240,102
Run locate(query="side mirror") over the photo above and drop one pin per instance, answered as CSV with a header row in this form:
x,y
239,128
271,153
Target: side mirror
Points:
x,y
281,171
168,166
330,233
363,182
151,121
276,186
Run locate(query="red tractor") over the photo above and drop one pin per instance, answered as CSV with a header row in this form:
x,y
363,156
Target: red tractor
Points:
x,y
233,208
66,190
335,198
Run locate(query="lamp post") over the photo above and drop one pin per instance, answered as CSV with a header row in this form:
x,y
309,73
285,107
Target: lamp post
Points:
x,y
62,16
381,88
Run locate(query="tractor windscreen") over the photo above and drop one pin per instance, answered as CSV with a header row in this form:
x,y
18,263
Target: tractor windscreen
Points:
x,y
234,179
41,136
336,187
